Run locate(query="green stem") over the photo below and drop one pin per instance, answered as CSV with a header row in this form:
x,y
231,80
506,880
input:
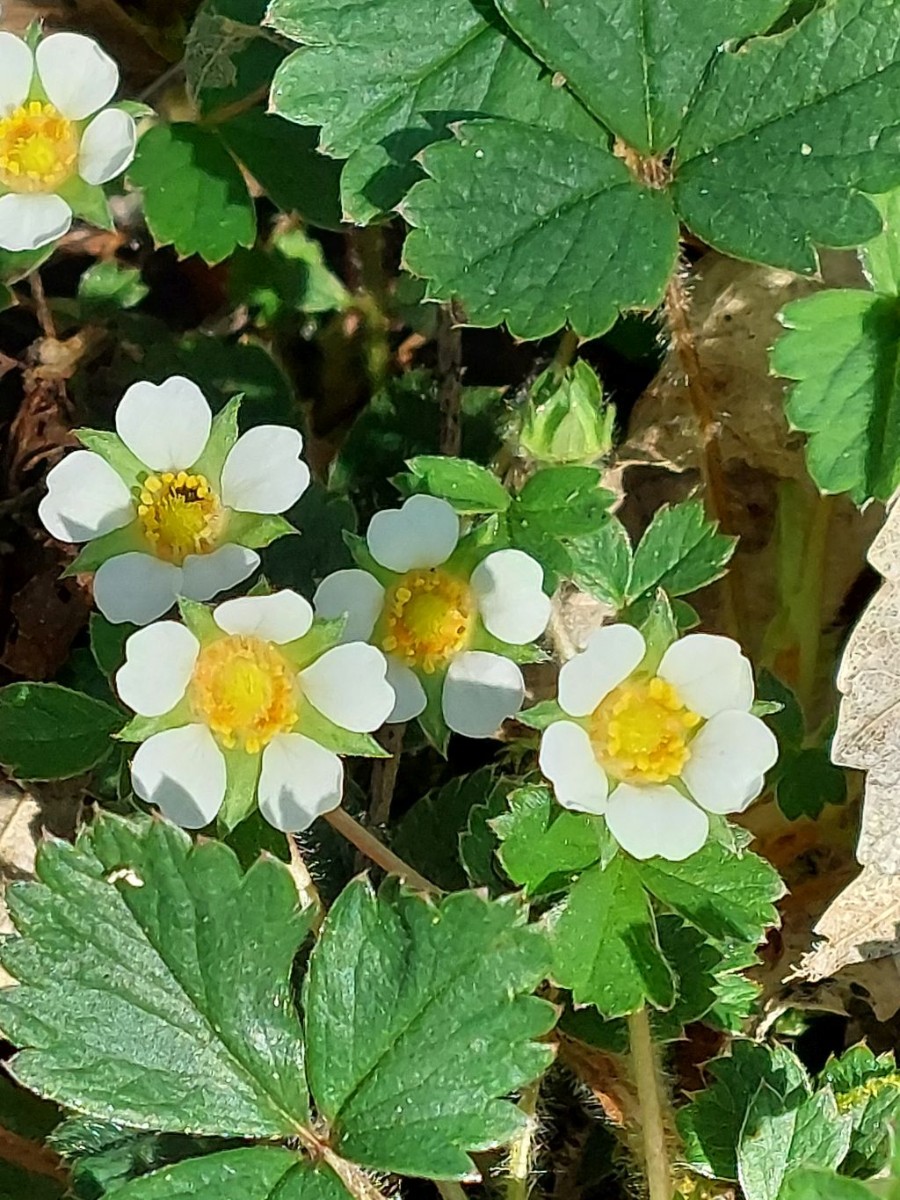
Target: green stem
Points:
x,y
520,1152
566,350
651,1097
450,1189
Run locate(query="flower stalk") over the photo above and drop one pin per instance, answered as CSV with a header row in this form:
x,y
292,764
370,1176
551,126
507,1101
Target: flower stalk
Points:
x,y
653,1102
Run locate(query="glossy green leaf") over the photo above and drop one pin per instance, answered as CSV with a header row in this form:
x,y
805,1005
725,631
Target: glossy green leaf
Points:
x,y
680,551
397,989
157,972
881,256
469,487
601,562
251,1173
605,943
529,262
781,1135
543,846
867,1087
807,1184
51,732
195,197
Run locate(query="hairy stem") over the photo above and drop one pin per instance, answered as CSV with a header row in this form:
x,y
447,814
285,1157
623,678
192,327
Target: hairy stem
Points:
x,y
652,1100
449,371
676,307
376,850
384,774
308,892
41,307
522,1149
566,350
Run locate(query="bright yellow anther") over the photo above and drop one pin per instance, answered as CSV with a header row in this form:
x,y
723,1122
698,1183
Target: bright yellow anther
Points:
x,y
244,690
180,515
641,731
38,148
428,618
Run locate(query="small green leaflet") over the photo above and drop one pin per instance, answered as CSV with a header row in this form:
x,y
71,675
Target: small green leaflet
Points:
x,y
868,1089
396,990
467,486
252,1173
195,197
51,732
605,943
543,846
158,972
780,1134
807,1184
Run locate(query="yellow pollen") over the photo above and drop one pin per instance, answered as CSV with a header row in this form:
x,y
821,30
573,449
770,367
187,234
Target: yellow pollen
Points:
x,y
427,618
38,148
244,690
180,515
641,731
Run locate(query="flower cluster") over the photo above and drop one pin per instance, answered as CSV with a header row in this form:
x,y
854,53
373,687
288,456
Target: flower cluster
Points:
x,y
58,140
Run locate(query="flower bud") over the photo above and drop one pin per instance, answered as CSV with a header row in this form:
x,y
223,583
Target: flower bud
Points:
x,y
566,419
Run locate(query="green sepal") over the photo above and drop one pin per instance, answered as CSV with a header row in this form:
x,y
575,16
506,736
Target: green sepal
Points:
x,y
135,109
476,544
660,630
222,436
88,201
258,530
318,728
139,729
431,719
241,777
322,636
93,554
539,716
362,556
113,450
199,620
526,653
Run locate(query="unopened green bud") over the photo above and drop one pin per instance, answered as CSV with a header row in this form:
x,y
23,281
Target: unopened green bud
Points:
x,y
566,419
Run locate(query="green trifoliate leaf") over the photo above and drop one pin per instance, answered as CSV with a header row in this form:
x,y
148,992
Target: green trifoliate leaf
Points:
x,y
681,551
781,1135
396,990
543,846
636,64
478,842
467,486
712,1124
605,943
601,563
813,113
416,67
251,1173
726,895
807,1184
50,732
566,420
157,972
842,349
501,220
195,197
867,1088
564,502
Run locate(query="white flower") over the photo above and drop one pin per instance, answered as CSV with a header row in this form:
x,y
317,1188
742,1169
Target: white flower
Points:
x,y
52,157
241,705
446,628
655,752
175,503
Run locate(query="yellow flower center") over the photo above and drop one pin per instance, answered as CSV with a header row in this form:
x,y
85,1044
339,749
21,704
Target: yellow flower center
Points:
x,y
641,731
38,148
427,618
244,690
180,515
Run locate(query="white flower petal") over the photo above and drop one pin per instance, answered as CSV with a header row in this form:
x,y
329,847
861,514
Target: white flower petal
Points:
x,y
281,617
107,146
352,593
165,425
611,654
728,757
411,699
298,782
348,685
423,532
159,662
16,70
508,585
656,819
205,575
263,472
481,690
85,499
709,673
567,759
136,587
29,222
78,77
182,771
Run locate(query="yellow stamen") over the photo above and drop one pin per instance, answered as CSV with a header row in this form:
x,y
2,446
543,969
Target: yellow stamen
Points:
x,y
180,515
427,619
38,148
244,690
641,731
